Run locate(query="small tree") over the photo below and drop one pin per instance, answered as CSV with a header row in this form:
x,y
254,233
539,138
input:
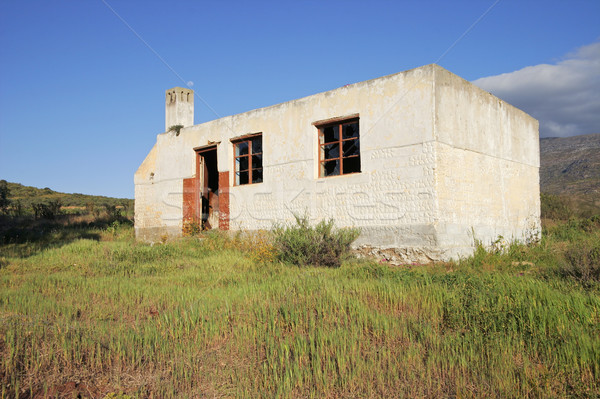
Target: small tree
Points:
x,y
17,208
4,194
113,213
46,211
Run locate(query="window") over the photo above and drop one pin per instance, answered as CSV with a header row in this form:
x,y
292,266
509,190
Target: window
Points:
x,y
248,160
339,148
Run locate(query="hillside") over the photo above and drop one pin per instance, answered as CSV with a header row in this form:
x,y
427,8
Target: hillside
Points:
x,y
570,166
28,195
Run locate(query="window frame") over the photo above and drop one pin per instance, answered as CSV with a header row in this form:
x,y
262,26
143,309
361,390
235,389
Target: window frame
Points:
x,y
248,139
339,123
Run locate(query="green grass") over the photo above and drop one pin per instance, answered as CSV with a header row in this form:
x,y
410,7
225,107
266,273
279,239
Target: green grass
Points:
x,y
200,318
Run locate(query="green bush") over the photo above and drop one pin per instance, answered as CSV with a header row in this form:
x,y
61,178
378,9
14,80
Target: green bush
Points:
x,y
113,213
47,210
321,245
582,261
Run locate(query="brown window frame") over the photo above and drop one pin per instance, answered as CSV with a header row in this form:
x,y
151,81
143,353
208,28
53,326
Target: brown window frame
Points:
x,y
339,123
248,139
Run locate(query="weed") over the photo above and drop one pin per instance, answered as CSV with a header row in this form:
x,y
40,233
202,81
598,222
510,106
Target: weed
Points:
x,y
113,228
176,129
191,227
262,248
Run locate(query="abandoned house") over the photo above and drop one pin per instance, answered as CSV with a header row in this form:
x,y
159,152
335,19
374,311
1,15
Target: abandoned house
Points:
x,y
422,161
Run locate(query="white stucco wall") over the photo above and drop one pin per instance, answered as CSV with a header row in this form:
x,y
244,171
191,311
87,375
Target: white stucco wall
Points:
x,y
487,179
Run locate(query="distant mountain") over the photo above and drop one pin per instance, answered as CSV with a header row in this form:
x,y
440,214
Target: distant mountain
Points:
x,y
28,195
570,166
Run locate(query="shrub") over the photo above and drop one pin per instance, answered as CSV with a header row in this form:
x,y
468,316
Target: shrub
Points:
x,y
554,207
113,212
46,211
582,261
321,245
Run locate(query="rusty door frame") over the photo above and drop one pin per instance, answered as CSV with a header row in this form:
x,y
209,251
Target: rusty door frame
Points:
x,y
202,177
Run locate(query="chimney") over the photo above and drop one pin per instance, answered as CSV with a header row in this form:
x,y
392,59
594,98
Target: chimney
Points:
x,y
179,107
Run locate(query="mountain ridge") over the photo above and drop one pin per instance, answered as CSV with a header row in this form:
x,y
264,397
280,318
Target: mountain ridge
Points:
x,y
570,167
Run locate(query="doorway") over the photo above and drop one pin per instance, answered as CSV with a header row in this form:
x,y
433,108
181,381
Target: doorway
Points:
x,y
207,195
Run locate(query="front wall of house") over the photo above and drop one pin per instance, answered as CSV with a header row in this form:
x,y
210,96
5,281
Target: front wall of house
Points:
x,y
391,200
394,188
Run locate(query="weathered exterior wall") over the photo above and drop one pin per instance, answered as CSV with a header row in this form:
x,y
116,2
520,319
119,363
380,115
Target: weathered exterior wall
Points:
x,y
432,156
157,212
392,194
487,174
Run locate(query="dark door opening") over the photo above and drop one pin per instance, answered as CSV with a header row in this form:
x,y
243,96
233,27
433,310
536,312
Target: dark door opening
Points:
x,y
208,187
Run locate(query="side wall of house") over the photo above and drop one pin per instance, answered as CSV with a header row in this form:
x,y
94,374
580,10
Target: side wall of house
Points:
x,y
157,199
487,174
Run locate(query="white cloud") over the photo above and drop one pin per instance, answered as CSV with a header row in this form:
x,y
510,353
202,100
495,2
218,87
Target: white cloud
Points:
x,y
564,97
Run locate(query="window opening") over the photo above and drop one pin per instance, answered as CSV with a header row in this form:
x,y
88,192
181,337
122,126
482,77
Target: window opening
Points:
x,y
339,148
248,161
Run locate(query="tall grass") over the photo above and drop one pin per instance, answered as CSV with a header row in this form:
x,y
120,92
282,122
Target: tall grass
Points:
x,y
202,318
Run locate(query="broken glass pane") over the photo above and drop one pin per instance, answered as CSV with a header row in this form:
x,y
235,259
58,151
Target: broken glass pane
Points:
x,y
257,175
257,161
257,145
241,148
330,134
241,178
331,151
351,165
351,148
242,163
350,130
330,168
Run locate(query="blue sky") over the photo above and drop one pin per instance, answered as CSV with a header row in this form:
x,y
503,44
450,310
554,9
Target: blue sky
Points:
x,y
82,97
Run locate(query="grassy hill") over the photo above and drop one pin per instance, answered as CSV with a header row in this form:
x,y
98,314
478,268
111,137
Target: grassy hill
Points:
x,y
28,195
